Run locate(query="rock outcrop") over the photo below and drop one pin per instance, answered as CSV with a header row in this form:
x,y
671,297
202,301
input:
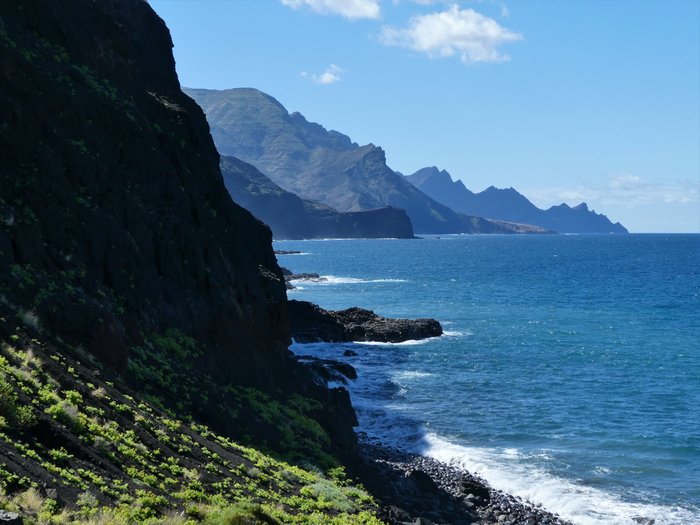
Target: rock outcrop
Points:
x,y
311,323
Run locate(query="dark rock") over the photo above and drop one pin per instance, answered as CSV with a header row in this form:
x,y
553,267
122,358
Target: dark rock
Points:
x,y
422,481
365,325
328,369
311,323
472,487
289,277
350,353
10,518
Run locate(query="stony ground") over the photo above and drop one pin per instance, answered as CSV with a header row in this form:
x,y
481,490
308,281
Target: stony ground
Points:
x,y
419,490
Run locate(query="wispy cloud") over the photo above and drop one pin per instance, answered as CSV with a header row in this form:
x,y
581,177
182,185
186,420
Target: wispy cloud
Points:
x,y
622,190
351,9
331,75
464,32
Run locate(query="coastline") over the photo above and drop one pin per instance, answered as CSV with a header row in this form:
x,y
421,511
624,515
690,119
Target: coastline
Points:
x,y
415,489
405,392
410,488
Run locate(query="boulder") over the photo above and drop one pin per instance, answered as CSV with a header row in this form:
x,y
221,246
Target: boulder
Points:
x,y
10,518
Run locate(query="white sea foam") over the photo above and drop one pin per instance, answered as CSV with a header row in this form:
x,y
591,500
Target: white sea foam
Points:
x,y
580,504
456,333
410,342
411,374
333,279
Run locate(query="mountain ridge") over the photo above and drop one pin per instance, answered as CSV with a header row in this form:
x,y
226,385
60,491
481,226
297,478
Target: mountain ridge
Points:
x,y
291,217
324,166
510,205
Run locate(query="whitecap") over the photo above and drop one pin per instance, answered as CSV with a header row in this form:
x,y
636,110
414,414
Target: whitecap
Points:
x,y
410,342
456,333
411,374
325,280
577,503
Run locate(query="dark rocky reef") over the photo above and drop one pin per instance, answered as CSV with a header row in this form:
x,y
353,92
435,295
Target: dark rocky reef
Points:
x,y
310,323
290,276
291,217
115,224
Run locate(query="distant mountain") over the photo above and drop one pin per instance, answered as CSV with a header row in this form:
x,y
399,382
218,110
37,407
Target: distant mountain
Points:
x,y
291,217
509,205
324,166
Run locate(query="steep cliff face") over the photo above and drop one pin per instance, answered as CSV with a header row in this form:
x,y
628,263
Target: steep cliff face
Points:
x,y
115,220
291,217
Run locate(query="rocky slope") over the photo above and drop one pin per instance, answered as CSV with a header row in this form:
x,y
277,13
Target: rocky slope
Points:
x,y
124,260
324,166
291,217
509,205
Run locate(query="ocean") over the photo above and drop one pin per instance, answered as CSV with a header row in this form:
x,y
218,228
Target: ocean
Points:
x,y
568,375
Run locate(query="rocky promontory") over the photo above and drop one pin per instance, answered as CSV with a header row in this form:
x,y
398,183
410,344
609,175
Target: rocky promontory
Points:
x,y
311,323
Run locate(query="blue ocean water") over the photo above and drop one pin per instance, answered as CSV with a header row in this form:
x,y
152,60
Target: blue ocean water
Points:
x,y
569,373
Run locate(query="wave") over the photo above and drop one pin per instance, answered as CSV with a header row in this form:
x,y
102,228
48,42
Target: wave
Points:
x,y
410,342
456,333
504,470
378,401
332,279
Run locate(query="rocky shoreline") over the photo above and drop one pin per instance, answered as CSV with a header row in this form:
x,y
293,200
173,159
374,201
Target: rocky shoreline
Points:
x,y
310,323
411,489
419,490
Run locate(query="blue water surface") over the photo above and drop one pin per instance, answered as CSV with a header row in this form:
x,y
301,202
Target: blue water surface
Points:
x,y
569,375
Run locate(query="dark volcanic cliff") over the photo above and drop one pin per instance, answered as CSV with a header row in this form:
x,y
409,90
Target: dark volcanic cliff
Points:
x,y
110,186
291,217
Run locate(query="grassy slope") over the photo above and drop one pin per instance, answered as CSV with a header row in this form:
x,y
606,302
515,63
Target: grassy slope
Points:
x,y
77,447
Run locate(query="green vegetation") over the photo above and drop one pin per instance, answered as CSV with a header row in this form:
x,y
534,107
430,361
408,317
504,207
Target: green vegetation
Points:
x,y
131,461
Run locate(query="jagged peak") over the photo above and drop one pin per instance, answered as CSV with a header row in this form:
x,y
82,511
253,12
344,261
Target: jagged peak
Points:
x,y
583,207
374,152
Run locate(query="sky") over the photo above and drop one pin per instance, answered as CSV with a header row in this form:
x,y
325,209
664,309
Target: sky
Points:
x,y
566,101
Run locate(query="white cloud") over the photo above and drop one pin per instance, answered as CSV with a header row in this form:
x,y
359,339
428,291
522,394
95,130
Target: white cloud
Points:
x,y
331,75
626,182
464,32
352,9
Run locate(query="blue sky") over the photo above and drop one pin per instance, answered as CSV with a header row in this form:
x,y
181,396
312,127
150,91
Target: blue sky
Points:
x,y
566,101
